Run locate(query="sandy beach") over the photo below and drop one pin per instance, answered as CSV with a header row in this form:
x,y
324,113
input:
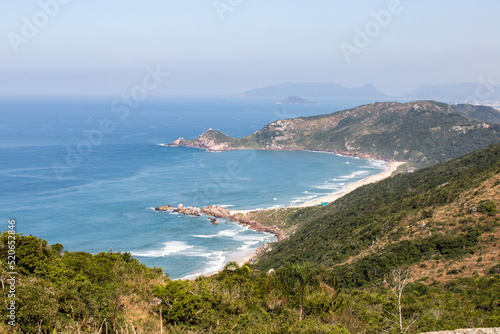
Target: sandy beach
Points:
x,y
392,166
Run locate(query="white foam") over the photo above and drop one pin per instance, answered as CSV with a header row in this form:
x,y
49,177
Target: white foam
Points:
x,y
354,174
207,236
228,233
377,163
170,247
303,199
224,233
247,244
216,261
329,186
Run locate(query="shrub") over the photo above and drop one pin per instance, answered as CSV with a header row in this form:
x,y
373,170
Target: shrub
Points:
x,y
487,207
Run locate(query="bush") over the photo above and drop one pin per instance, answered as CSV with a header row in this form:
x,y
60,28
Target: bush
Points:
x,y
184,300
495,270
487,207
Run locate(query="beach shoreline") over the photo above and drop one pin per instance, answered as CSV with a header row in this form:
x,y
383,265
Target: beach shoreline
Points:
x,y
392,166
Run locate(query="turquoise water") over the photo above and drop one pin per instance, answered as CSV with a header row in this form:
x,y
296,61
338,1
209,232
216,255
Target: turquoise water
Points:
x,y
64,182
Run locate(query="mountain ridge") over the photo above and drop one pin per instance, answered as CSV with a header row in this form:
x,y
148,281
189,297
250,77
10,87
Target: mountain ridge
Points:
x,y
465,92
315,91
420,132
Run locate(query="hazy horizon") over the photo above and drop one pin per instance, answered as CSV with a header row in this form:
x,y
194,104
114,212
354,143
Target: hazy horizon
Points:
x,y
225,47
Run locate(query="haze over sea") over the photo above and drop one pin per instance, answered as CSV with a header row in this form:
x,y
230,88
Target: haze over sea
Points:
x,y
64,180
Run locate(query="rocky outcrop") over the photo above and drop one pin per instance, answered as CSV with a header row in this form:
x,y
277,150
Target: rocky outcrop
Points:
x,y
219,212
242,220
210,140
164,208
216,211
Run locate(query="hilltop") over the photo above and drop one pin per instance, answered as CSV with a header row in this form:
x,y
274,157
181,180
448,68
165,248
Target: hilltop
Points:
x,y
421,133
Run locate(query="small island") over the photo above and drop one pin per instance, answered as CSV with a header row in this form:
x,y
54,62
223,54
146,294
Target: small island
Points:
x,y
296,100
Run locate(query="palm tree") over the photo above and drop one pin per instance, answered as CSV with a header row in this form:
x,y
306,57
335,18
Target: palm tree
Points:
x,y
294,281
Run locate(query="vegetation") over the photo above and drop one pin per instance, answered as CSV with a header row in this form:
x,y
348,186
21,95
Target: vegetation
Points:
x,y
75,291
390,223
110,292
480,113
345,268
421,133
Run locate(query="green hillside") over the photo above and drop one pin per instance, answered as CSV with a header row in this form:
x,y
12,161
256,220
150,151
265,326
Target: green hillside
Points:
x,y
440,216
421,133
480,113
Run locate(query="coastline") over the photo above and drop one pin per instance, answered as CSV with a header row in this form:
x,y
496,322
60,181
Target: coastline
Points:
x,y
392,166
240,216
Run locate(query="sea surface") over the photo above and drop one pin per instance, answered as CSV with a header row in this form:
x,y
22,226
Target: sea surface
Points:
x,y
79,172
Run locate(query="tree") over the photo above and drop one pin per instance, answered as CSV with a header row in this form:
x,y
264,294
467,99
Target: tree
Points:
x,y
397,281
294,281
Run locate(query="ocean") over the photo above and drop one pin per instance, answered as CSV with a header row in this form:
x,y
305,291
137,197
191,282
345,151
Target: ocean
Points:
x,y
75,172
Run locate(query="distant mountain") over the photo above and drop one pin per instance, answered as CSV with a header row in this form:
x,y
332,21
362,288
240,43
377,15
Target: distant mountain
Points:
x,y
315,91
467,92
295,100
421,133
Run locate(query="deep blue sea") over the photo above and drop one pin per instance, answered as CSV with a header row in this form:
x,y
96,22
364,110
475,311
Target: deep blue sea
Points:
x,y
76,172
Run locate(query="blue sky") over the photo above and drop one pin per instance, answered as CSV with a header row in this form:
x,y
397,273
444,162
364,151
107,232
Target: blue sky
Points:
x,y
223,47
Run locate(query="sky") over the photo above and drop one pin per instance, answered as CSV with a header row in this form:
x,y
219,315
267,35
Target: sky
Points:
x,y
225,47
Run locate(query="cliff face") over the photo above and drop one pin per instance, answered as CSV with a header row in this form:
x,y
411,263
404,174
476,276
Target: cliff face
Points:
x,y
421,132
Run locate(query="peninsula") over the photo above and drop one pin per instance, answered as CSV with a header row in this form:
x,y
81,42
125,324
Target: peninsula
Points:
x,y
420,133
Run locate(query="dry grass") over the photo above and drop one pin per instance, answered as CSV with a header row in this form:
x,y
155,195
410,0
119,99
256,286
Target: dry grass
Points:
x,y
452,218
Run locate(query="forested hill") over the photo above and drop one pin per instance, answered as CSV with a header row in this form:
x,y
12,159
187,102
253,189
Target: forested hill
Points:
x,y
421,133
441,221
